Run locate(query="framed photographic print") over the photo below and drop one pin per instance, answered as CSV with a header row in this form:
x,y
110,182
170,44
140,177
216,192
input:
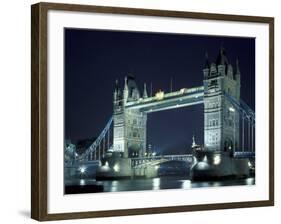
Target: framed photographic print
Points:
x,y
140,111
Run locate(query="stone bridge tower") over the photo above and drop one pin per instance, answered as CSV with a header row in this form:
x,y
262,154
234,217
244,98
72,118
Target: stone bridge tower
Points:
x,y
221,120
129,125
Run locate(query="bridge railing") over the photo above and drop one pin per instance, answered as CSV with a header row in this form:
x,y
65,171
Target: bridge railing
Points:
x,y
146,160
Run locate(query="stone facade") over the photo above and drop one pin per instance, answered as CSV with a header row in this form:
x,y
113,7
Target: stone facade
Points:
x,y
129,124
221,120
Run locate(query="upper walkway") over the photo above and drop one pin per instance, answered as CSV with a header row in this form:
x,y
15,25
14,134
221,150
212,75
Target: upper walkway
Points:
x,y
164,101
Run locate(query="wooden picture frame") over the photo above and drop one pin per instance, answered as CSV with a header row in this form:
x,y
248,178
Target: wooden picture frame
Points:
x,y
39,110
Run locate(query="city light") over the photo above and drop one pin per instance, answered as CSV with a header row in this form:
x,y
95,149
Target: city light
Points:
x,y
82,169
159,95
217,160
231,109
116,168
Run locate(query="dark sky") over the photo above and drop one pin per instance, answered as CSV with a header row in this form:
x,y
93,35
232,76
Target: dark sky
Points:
x,y
94,59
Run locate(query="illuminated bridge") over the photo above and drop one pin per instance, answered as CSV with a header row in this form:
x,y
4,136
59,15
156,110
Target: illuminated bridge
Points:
x,y
229,123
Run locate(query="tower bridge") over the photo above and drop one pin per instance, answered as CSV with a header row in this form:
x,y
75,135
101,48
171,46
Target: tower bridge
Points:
x,y
229,123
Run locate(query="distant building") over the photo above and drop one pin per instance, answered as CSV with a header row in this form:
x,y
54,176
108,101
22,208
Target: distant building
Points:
x,y
69,151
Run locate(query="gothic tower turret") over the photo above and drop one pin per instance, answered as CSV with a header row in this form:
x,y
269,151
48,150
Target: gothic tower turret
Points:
x,y
237,74
125,90
117,98
222,62
221,120
206,69
129,128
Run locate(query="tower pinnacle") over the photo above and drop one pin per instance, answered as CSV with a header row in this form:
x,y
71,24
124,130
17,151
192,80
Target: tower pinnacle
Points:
x,y
207,63
237,67
144,91
116,90
125,84
222,59
193,142
116,86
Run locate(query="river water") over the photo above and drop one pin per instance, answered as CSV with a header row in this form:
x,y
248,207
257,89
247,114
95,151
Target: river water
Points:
x,y
159,183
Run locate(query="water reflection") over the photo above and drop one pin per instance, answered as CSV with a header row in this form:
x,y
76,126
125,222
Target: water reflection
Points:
x,y
186,184
250,181
82,182
114,185
157,183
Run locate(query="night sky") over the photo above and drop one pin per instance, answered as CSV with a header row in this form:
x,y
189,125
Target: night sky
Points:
x,y
94,59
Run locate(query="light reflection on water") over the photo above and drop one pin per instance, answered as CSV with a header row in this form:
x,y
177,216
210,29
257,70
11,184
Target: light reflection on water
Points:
x,y
114,185
158,183
155,183
82,182
186,184
250,181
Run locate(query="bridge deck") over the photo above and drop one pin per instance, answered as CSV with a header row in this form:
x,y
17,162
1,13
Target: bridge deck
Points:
x,y
181,98
154,160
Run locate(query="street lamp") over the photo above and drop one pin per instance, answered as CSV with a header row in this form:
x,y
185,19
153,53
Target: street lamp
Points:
x,y
82,169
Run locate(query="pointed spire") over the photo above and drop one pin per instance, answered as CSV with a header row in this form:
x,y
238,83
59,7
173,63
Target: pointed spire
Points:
x,y
222,50
116,85
144,91
193,142
125,84
116,88
237,67
222,59
207,63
